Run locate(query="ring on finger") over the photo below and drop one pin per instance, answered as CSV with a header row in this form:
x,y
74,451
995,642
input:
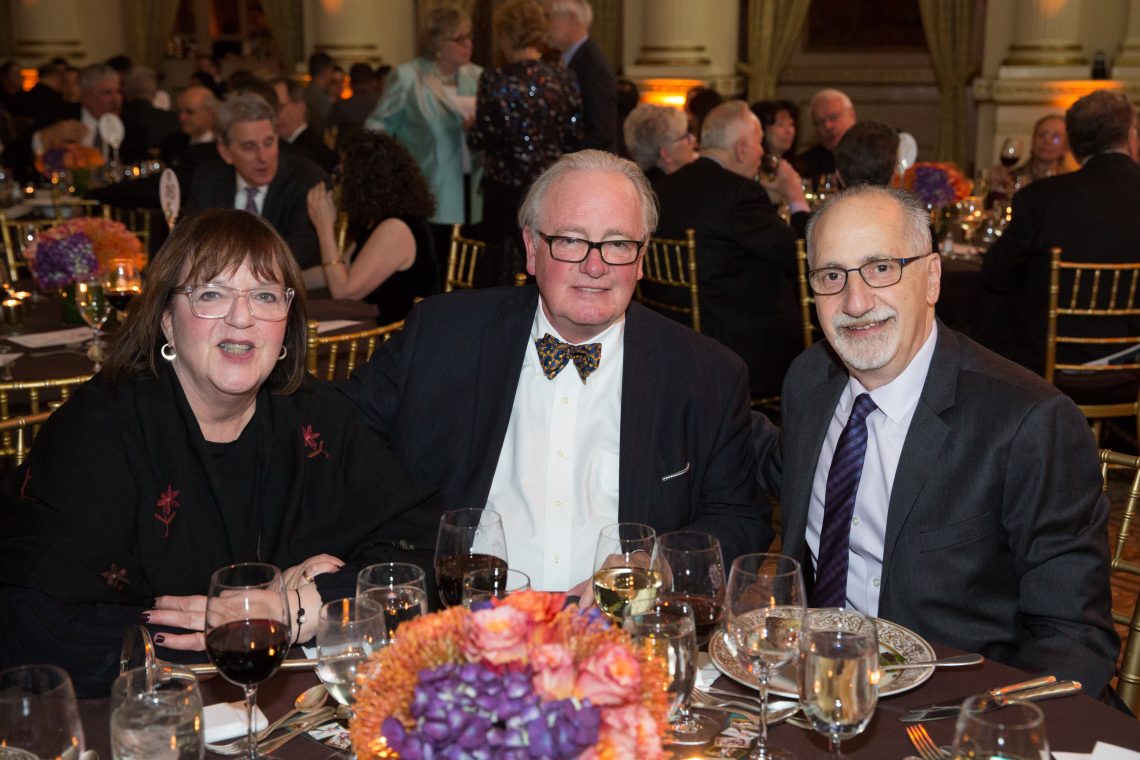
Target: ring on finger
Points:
x,y
305,574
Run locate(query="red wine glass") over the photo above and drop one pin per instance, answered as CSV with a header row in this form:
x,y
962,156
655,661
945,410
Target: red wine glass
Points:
x,y
247,630
469,539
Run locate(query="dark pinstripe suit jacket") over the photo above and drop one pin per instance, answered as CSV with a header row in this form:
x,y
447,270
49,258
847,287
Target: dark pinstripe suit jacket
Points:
x,y
441,392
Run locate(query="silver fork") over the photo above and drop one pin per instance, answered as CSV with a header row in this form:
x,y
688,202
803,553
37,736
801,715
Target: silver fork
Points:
x,y
923,744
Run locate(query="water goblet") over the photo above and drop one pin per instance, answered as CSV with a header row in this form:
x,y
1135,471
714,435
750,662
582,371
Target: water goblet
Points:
x,y
400,588
93,307
492,582
838,673
627,569
696,576
1015,731
764,608
348,631
156,713
469,539
247,630
38,712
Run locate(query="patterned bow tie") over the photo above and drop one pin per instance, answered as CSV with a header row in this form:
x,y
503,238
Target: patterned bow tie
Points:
x,y
555,354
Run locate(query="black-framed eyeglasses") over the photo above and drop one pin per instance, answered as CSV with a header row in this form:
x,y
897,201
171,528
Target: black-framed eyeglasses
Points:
x,y
209,301
572,250
879,273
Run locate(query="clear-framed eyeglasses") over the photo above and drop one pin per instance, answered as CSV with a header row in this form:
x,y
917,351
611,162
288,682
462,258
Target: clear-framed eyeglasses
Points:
x,y
208,301
572,250
878,273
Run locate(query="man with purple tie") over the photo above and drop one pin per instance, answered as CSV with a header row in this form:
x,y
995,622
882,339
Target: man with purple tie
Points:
x,y
926,480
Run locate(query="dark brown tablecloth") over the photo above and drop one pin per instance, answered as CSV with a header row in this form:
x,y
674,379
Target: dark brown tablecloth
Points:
x,y
1074,724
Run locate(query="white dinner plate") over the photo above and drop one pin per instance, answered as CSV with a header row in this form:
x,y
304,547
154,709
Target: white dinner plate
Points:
x,y
893,639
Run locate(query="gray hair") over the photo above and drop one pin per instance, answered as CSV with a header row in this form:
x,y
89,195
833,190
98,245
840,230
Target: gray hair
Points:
x,y
579,9
830,93
916,219
724,124
240,108
534,205
647,130
91,76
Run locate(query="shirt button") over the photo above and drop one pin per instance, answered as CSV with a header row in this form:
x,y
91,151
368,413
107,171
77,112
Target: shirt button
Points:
x,y
565,400
558,503
875,582
555,559
561,454
855,521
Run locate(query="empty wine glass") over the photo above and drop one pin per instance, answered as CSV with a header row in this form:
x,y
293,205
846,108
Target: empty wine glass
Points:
x,y
764,608
93,307
627,569
469,539
156,712
1015,731
492,583
696,575
38,712
121,283
838,673
348,631
247,630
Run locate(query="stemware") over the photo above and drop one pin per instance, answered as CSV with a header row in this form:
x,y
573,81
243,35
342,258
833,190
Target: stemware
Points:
x,y
121,283
627,569
492,582
156,712
1010,152
400,588
696,575
469,539
1015,731
38,712
247,629
839,673
93,307
348,631
764,608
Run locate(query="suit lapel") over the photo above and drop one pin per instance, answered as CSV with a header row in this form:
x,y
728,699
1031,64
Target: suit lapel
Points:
x,y
273,192
640,395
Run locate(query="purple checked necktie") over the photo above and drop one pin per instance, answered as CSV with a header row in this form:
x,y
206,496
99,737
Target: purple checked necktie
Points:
x,y
251,200
838,505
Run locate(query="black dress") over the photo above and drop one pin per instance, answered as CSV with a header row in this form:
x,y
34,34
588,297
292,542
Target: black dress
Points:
x,y
395,296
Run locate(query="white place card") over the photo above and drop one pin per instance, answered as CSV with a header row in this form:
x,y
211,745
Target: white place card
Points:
x,y
53,338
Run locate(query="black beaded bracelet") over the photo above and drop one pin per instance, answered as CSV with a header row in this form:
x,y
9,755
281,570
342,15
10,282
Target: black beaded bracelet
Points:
x,y
300,614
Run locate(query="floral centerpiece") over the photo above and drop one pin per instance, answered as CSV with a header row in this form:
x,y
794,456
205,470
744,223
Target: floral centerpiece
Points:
x,y
523,677
70,157
80,249
936,184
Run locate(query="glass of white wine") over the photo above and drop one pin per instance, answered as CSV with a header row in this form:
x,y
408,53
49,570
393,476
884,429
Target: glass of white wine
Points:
x,y
838,673
1013,732
627,569
94,309
348,631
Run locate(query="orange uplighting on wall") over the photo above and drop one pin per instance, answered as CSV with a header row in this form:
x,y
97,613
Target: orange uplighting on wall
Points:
x,y
667,92
1073,90
28,78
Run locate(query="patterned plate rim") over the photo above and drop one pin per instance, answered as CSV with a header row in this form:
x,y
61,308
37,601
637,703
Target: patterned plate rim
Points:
x,y
893,637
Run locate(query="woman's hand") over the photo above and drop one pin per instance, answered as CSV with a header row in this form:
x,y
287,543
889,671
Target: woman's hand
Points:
x,y
187,612
322,211
303,573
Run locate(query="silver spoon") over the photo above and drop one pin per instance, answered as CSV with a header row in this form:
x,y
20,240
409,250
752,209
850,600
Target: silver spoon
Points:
x,y
960,661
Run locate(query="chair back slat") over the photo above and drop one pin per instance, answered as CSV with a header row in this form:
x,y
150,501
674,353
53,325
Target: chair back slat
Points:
x,y
137,220
670,269
31,398
335,357
811,330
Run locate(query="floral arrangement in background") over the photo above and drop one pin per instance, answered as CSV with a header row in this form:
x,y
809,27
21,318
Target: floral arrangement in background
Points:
x,y
68,156
80,249
523,677
936,184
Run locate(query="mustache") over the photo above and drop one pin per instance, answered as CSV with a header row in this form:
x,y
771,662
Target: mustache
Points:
x,y
880,314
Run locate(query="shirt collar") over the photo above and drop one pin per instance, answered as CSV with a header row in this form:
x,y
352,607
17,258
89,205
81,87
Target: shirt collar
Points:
x,y
242,185
900,396
610,338
205,137
296,133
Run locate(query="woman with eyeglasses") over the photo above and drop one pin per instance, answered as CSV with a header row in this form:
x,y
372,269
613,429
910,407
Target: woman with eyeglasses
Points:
x,y
202,443
659,140
428,104
1048,157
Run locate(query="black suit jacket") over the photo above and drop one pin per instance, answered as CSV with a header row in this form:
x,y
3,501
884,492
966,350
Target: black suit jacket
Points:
x,y
599,96
996,532
309,145
441,392
215,186
745,265
1091,214
146,127
813,162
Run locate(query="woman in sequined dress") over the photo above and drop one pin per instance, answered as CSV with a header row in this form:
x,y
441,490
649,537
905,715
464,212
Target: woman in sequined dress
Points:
x,y
527,114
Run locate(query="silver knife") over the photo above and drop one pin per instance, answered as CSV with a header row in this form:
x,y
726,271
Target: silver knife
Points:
x,y
1059,689
991,693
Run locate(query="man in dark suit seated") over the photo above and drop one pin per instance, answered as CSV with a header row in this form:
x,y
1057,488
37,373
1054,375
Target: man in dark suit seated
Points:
x,y
46,95
1090,214
147,125
832,114
746,257
569,33
254,176
293,127
193,145
926,480
867,154
648,423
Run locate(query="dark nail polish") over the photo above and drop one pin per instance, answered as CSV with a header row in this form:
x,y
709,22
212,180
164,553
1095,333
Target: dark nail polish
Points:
x,y
144,617
159,638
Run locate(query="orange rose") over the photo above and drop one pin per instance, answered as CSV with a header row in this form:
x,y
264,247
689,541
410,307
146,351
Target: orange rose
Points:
x,y
539,605
610,676
553,671
498,636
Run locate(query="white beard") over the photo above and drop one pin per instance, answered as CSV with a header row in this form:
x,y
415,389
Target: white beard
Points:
x,y
867,353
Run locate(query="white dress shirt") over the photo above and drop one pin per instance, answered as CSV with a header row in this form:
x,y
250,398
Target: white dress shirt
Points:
x,y
259,198
887,427
556,482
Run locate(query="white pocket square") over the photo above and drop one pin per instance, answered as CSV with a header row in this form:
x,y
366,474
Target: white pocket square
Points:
x,y
678,473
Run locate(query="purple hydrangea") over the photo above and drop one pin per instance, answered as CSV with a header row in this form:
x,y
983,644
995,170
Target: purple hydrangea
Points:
x,y
933,186
62,262
470,712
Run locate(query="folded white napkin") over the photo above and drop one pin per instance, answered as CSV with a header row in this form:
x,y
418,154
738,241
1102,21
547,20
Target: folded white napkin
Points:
x,y
6,359
329,325
1102,751
707,672
226,720
53,338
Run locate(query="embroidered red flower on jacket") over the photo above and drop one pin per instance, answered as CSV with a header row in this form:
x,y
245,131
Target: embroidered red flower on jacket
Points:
x,y
313,441
167,505
116,577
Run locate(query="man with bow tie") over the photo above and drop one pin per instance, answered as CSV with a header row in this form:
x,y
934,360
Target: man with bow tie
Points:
x,y
567,408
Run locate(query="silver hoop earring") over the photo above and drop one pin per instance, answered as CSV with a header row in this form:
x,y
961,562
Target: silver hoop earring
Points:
x,y
168,352
284,353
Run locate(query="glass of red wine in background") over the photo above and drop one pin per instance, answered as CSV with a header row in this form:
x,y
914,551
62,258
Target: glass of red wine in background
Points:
x,y
695,574
121,283
469,539
1010,152
770,166
247,629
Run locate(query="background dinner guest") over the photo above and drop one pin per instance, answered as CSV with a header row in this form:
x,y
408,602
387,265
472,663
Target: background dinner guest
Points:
x,y
778,118
1049,155
659,140
427,105
867,154
927,481
569,33
1090,214
528,113
202,443
317,96
347,116
832,114
194,143
293,129
468,402
699,103
389,261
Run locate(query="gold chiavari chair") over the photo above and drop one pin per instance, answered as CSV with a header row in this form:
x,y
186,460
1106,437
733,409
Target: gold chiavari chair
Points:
x,y
137,220
1092,292
29,398
1128,671
462,260
22,431
325,354
811,329
669,279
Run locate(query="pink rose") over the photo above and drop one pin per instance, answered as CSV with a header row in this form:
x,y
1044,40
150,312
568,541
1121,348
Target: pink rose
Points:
x,y
611,676
553,671
498,636
631,732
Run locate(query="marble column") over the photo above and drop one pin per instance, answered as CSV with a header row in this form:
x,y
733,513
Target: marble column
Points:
x,y
673,35
48,28
1046,41
362,31
672,45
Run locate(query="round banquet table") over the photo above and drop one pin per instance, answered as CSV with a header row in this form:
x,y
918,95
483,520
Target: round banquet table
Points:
x,y
1074,724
